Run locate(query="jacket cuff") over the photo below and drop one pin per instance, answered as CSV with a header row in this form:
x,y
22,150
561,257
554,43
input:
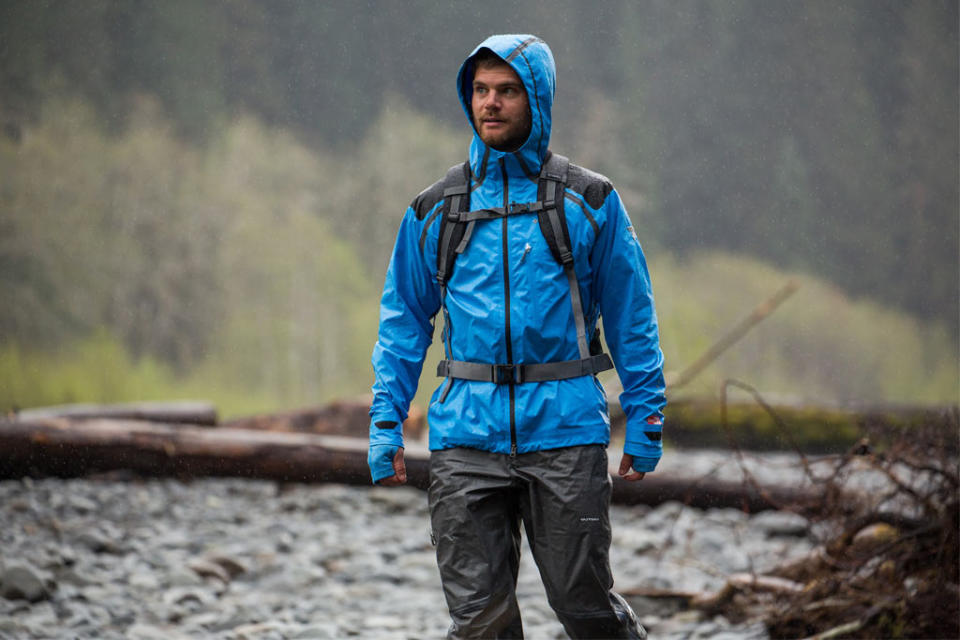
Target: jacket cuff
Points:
x,y
652,451
644,465
386,432
380,461
644,442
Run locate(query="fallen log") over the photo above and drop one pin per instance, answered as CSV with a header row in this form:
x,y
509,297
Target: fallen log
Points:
x,y
69,448
202,413
341,417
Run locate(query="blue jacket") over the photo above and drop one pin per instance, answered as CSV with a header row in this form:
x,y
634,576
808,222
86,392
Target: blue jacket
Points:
x,y
509,302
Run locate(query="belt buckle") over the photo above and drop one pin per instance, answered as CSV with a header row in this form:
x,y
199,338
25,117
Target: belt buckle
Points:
x,y
507,374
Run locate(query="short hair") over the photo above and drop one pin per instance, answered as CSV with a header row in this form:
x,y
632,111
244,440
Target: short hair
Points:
x,y
486,58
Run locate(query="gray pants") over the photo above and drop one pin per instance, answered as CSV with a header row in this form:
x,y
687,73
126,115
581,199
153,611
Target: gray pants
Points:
x,y
477,501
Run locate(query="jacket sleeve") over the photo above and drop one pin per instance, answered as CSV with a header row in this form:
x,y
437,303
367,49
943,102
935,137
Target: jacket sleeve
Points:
x,y
409,303
622,285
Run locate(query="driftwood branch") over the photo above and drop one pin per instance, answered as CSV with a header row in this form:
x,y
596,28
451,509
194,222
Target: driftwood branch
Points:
x,y
745,582
888,564
714,601
730,338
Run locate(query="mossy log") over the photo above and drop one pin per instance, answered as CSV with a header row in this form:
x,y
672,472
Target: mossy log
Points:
x,y
698,424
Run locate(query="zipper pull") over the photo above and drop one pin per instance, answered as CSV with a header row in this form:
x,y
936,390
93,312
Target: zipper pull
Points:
x,y
526,250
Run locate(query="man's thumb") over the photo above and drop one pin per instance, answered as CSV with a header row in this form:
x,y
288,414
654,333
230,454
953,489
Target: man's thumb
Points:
x,y
399,466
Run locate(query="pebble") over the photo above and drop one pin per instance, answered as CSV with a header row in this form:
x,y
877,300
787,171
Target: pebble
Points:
x,y
22,580
234,559
782,523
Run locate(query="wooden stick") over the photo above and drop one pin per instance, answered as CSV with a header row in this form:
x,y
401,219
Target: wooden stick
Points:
x,y
739,330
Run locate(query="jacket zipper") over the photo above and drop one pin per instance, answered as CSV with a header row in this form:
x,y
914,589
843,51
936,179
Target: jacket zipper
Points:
x,y
506,286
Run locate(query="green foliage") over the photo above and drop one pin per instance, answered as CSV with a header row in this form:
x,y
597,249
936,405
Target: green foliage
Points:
x,y
220,262
402,153
102,230
820,346
302,316
246,271
51,202
99,368
94,369
807,134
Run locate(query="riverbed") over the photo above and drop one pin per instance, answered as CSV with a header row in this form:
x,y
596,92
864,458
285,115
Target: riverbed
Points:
x,y
122,557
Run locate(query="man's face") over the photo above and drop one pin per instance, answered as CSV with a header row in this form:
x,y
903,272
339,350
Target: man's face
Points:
x,y
501,111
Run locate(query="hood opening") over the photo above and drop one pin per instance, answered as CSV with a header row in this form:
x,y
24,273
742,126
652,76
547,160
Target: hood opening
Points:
x,y
532,60
470,68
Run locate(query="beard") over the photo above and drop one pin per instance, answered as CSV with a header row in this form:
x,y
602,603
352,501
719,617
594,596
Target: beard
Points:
x,y
509,138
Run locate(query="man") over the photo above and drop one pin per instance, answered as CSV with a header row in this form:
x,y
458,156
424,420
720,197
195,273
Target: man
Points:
x,y
522,254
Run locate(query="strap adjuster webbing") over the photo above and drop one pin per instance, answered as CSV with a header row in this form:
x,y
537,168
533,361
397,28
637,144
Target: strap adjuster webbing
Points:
x,y
456,190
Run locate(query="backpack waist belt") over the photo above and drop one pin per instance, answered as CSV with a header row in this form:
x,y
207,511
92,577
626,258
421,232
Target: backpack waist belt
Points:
x,y
520,373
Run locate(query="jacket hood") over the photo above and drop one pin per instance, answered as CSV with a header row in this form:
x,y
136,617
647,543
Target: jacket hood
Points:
x,y
532,59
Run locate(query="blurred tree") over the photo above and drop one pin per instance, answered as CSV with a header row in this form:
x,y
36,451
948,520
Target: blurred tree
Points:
x,y
300,310
161,234
703,113
22,61
925,227
173,50
47,202
371,189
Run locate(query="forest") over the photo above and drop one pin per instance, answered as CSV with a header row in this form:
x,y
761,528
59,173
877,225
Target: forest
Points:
x,y
200,198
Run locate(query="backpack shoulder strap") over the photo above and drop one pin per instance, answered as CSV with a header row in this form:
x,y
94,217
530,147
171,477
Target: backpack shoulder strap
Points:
x,y
551,187
551,190
456,199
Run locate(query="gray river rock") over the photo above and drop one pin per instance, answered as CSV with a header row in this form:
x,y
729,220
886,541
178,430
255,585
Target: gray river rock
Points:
x,y
230,559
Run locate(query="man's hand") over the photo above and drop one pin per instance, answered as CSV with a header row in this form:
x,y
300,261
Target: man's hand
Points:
x,y
399,471
626,472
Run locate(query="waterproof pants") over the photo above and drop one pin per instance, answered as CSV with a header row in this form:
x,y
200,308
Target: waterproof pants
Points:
x,y
562,496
